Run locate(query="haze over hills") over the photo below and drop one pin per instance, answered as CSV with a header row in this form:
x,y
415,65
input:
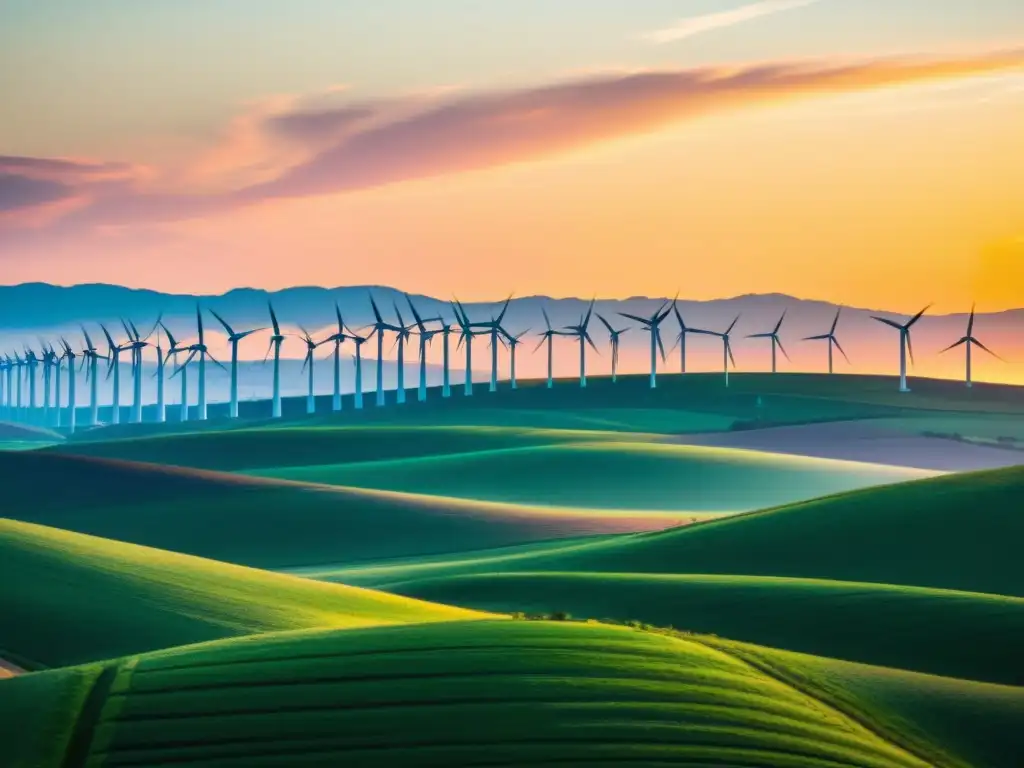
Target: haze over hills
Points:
x,y
33,310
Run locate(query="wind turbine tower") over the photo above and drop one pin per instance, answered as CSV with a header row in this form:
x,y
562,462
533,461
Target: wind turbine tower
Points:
x,y
775,340
513,342
91,357
581,333
652,325
234,337
308,363
832,340
726,337
114,366
173,351
905,345
276,340
337,339
547,337
494,329
379,327
426,336
968,341
402,332
69,355
613,338
466,336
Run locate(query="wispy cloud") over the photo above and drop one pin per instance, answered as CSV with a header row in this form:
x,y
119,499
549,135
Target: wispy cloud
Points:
x,y
359,145
695,25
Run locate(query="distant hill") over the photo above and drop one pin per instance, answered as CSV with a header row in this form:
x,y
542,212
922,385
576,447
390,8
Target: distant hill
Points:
x,y
33,310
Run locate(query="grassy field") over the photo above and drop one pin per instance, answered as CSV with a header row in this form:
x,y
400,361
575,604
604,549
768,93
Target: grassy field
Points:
x,y
276,524
894,626
954,723
611,474
74,598
458,694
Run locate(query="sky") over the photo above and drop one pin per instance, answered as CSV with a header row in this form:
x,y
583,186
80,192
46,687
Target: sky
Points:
x,y
866,152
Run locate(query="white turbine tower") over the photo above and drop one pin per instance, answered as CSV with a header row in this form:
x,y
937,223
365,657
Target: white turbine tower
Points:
x,y
727,356
684,331
136,344
69,355
426,337
114,366
91,357
613,339
161,362
58,376
47,358
357,397
512,342
337,339
379,326
466,336
548,337
200,350
582,334
276,340
402,333
652,325
234,337
776,341
311,347
905,345
173,351
493,328
832,340
968,341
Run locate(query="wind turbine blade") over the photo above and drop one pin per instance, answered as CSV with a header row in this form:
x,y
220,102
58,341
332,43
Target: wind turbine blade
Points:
x,y
778,325
970,322
910,348
504,309
643,320
243,334
547,320
917,317
887,321
591,342
835,322
728,348
822,337
997,357
215,361
657,335
199,323
223,322
543,338
760,335
783,349
605,322
270,348
678,341
341,323
273,319
732,325
955,344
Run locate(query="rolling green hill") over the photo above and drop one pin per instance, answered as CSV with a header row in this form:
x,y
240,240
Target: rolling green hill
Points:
x,y
924,630
452,694
70,599
611,474
268,523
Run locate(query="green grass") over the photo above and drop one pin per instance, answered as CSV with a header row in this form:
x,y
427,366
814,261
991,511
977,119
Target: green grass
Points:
x,y
908,628
269,523
955,723
298,445
611,474
958,532
466,693
70,599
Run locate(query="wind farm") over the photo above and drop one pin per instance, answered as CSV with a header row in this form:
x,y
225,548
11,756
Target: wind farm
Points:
x,y
465,385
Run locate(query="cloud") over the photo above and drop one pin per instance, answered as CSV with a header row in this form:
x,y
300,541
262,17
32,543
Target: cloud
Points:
x,y
18,192
695,25
59,169
290,149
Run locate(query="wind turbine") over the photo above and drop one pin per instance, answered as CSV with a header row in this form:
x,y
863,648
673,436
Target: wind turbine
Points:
x,y
402,332
47,358
379,327
19,364
4,391
173,351
202,351
161,361
493,327
726,346
581,333
69,355
968,340
830,337
684,330
652,325
114,366
234,338
466,336
905,345
613,337
357,398
776,341
276,340
446,332
426,336
337,339
547,337
91,356
311,347
31,363
58,372
512,342
136,344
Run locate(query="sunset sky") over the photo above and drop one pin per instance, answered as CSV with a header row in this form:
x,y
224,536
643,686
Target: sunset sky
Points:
x,y
868,152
